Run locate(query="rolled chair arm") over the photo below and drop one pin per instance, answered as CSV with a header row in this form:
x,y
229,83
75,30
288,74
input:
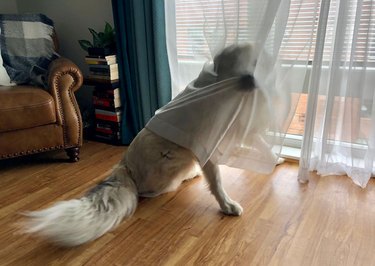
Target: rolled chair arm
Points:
x,y
64,78
64,74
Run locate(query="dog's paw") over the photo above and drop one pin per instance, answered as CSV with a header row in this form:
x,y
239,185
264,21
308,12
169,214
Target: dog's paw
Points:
x,y
280,161
232,208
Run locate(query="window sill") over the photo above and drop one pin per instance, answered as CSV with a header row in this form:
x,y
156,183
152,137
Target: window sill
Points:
x,y
291,153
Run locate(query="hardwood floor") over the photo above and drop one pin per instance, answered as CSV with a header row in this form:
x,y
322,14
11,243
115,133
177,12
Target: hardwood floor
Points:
x,y
329,221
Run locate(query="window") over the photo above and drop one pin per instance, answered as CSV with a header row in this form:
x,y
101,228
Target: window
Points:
x,y
194,28
192,25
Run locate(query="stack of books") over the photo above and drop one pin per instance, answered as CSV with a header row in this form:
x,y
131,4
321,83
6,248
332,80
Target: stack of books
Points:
x,y
106,97
107,105
102,68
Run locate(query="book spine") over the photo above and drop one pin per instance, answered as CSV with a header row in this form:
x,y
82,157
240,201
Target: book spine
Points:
x,y
101,58
106,102
103,71
105,130
114,116
104,77
106,81
113,68
97,62
107,117
94,62
100,71
115,126
107,108
107,94
105,84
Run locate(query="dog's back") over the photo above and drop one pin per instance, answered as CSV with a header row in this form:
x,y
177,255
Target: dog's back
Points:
x,y
158,165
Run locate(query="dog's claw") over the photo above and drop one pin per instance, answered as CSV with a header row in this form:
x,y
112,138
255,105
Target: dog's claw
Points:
x,y
232,208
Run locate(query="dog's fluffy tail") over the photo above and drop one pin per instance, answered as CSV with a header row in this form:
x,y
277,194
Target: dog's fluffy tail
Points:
x,y
74,222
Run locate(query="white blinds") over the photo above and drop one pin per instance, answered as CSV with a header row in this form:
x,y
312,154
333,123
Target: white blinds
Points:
x,y
298,30
196,19
366,30
240,18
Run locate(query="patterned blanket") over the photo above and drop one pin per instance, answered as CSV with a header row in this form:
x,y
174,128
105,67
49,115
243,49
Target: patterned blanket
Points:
x,y
27,47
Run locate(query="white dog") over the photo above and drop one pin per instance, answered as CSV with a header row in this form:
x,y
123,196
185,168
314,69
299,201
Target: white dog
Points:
x,y
151,166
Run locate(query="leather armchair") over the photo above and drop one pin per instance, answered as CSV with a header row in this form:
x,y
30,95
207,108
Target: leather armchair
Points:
x,y
34,120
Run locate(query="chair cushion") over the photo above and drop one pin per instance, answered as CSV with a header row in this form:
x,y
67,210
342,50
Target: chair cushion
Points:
x,y
25,107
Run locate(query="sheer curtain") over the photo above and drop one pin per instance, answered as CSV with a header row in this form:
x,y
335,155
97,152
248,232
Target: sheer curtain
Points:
x,y
196,30
325,47
339,131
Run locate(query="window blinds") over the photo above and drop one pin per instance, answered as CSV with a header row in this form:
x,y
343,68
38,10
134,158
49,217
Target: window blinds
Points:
x,y
197,20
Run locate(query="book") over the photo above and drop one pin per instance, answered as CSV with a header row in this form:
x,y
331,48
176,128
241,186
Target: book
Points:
x,y
104,68
101,60
114,116
115,126
101,57
106,130
106,72
101,84
110,76
106,102
107,127
107,93
107,84
109,109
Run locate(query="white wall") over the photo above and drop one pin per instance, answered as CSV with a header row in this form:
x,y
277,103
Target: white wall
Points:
x,y
8,6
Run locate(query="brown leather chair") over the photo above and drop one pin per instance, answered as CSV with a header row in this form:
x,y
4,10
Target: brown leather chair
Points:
x,y
34,120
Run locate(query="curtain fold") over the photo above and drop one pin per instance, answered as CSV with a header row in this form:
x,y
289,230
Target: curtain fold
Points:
x,y
340,118
143,64
304,162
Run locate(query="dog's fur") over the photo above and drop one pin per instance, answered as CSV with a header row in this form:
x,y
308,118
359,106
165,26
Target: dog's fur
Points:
x,y
151,166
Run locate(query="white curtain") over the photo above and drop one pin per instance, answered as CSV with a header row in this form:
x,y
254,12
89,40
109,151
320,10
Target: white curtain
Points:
x,y
339,131
325,48
197,29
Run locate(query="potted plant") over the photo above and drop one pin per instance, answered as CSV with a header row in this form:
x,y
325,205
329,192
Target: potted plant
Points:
x,y
103,43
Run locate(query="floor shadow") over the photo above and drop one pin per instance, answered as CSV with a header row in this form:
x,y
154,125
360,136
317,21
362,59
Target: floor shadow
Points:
x,y
53,157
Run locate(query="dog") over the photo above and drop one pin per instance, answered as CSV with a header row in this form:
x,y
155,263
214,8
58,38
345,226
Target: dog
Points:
x,y
152,165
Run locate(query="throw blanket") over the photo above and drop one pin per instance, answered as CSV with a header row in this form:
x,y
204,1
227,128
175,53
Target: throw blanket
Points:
x,y
27,47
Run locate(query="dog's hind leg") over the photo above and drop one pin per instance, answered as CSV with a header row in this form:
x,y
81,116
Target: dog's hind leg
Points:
x,y
227,205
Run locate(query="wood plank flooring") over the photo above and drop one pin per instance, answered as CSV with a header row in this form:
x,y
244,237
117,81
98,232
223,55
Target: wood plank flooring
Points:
x,y
329,221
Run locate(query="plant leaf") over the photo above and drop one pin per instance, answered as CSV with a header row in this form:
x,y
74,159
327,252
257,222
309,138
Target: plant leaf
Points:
x,y
85,44
101,40
108,28
95,37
